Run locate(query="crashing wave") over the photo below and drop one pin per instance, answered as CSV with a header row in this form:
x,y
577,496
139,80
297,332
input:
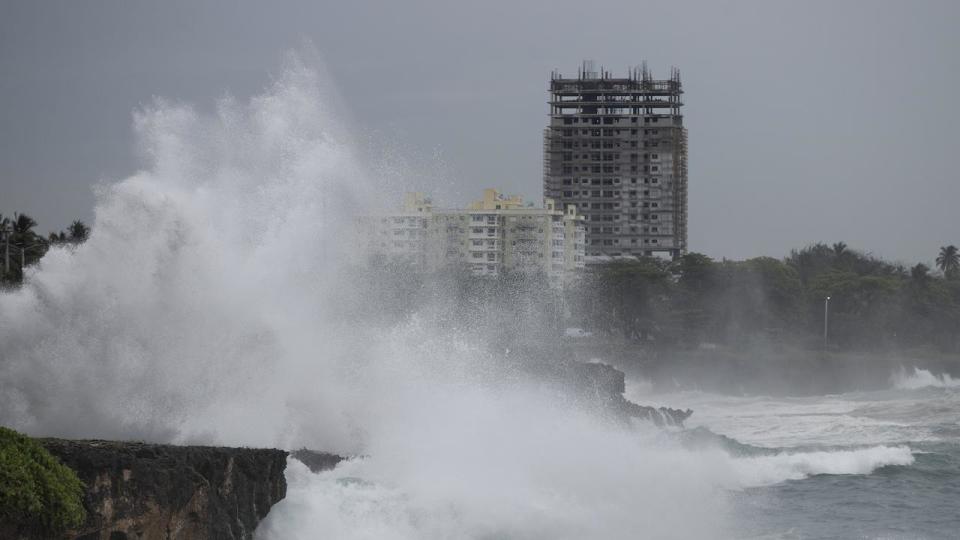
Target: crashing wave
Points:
x,y
922,378
773,469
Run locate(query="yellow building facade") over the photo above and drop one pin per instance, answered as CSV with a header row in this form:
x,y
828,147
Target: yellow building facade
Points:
x,y
492,236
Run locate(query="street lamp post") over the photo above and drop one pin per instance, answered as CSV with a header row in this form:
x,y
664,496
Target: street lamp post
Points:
x,y
23,255
826,318
5,232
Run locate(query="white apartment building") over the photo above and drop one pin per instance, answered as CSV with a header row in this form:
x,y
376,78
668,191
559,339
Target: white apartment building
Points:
x,y
492,236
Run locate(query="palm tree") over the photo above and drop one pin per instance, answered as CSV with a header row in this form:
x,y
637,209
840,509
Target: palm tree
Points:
x,y
839,248
949,261
78,231
23,224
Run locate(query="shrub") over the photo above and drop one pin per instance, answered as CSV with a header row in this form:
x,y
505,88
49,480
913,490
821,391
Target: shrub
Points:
x,y
38,494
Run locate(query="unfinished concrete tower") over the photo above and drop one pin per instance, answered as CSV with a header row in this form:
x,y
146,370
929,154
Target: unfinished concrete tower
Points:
x,y
617,149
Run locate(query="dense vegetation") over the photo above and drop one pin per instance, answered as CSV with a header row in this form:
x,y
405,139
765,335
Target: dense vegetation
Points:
x,y
695,301
21,246
39,496
873,303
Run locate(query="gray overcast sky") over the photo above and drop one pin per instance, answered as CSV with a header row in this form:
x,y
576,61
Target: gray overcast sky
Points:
x,y
808,120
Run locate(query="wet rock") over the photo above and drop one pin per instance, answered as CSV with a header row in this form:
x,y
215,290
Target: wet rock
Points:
x,y
151,491
316,461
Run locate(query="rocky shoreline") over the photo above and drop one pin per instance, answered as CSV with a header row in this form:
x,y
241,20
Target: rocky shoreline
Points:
x,y
136,490
143,491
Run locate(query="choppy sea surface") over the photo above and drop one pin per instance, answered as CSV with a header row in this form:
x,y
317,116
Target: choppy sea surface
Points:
x,y
862,465
883,464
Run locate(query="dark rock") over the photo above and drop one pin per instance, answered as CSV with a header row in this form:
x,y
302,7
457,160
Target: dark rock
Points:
x,y
316,461
149,491
600,385
609,384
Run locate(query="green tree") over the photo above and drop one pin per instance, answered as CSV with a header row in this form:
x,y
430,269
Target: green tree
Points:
x,y
23,224
630,298
863,308
948,261
79,232
39,496
696,289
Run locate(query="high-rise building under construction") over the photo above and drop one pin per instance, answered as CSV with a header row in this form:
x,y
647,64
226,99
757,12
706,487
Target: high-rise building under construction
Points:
x,y
617,149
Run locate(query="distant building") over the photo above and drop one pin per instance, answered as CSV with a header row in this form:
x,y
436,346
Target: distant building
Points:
x,y
494,235
616,149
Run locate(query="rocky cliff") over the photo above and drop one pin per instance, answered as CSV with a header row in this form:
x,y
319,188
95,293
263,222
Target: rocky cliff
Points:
x,y
141,491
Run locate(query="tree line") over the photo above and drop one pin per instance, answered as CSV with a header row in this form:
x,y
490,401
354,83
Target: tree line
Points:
x,y
688,302
695,300
21,246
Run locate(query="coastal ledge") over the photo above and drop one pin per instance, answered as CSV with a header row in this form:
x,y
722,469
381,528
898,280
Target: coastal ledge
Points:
x,y
141,491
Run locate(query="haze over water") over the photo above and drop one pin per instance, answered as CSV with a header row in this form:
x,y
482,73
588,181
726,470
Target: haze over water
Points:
x,y
215,302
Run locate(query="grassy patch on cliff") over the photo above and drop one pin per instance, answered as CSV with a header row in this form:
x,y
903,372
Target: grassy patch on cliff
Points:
x,y
37,493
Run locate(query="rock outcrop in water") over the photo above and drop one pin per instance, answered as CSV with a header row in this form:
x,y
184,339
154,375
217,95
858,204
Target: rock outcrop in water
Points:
x,y
598,384
316,461
609,384
152,491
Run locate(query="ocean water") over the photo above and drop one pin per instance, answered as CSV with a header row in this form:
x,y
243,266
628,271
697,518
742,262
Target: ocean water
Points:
x,y
882,464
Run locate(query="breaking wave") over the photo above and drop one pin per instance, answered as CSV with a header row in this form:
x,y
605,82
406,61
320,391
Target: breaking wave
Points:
x,y
922,378
214,302
773,469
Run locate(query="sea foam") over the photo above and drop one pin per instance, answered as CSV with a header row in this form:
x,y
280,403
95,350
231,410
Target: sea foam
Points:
x,y
921,378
